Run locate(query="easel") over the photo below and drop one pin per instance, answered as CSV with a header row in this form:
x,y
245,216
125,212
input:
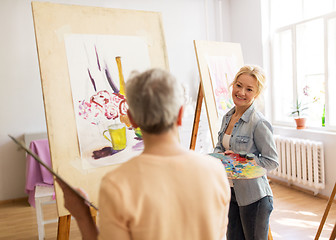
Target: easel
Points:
x,y
63,229
196,117
325,215
55,21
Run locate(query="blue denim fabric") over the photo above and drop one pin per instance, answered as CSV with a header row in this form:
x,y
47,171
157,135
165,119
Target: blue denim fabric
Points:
x,y
253,134
249,222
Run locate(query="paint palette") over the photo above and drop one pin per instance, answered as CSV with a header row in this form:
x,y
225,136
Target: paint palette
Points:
x,y
240,168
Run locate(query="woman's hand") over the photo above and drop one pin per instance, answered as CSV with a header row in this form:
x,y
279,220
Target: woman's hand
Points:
x,y
80,211
227,152
75,204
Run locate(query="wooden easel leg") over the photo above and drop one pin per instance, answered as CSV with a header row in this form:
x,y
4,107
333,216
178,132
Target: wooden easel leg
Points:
x,y
333,233
324,218
197,117
269,237
63,231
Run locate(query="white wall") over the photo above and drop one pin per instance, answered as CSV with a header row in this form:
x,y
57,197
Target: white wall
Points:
x,y
21,103
247,30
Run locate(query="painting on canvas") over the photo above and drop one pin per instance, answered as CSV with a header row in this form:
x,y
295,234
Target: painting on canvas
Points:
x,y
99,66
222,71
218,63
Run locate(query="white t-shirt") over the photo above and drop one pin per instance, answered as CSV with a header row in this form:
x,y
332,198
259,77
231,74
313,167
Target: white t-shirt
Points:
x,y
226,141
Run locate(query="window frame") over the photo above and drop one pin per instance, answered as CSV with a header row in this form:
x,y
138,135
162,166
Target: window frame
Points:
x,y
292,28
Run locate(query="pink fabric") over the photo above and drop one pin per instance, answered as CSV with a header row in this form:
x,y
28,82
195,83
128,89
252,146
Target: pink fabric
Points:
x,y
36,174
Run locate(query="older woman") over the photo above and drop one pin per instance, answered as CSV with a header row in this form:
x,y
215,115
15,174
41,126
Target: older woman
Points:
x,y
167,192
245,129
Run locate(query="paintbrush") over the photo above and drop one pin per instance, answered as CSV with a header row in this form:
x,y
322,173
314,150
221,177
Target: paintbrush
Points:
x,y
51,171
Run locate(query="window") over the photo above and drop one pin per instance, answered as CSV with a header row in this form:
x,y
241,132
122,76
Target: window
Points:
x,y
303,60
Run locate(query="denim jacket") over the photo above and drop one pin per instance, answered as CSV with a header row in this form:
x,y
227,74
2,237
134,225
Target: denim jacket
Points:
x,y
252,134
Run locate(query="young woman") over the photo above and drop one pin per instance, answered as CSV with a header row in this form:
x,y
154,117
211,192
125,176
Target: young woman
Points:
x,y
245,129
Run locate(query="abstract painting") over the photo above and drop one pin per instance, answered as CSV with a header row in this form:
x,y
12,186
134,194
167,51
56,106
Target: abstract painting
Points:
x,y
222,70
99,66
218,63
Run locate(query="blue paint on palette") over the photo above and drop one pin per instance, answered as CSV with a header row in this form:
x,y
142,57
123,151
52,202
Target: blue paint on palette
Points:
x,y
239,168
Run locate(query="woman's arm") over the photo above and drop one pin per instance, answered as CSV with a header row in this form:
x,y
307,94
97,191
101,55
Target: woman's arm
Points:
x,y
264,141
80,211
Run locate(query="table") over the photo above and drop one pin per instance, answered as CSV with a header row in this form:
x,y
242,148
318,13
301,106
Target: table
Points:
x,y
36,174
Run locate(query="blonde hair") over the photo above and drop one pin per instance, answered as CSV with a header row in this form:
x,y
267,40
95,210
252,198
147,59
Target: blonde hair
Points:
x,y
154,98
254,71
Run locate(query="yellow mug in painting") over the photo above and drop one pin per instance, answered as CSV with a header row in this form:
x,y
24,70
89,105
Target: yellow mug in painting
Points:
x,y
118,136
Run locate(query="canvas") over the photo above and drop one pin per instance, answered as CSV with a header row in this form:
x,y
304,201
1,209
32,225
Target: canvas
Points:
x,y
99,66
78,49
222,71
218,63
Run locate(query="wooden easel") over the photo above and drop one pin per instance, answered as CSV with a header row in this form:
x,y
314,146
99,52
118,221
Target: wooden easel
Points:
x,y
55,21
63,229
325,215
197,116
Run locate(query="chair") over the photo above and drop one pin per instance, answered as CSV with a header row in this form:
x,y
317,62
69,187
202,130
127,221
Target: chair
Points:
x,y
43,194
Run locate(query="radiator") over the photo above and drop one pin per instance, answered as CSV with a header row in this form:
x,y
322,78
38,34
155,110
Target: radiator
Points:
x,y
301,162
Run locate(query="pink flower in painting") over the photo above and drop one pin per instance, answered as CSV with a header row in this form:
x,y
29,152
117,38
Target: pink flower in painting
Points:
x,y
123,107
222,91
117,98
111,110
103,104
111,113
84,109
101,98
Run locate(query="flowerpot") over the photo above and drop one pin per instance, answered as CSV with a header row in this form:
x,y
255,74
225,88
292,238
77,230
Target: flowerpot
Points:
x,y
300,123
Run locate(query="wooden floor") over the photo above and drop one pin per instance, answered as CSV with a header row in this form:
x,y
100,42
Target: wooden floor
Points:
x,y
296,215
18,221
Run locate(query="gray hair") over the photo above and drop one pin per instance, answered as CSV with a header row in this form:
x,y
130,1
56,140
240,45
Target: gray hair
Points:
x,y
154,98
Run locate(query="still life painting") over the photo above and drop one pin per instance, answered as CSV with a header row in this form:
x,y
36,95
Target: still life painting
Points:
x,y
99,66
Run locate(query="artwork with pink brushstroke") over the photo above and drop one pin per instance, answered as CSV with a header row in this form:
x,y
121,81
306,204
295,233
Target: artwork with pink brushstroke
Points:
x,y
222,71
98,67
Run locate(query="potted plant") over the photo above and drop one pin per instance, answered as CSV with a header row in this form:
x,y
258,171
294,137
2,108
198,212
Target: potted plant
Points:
x,y
302,105
299,107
